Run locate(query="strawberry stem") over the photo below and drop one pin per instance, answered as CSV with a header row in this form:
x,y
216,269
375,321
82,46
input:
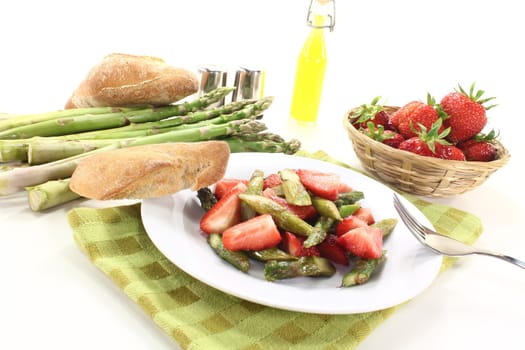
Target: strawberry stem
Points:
x,y
476,96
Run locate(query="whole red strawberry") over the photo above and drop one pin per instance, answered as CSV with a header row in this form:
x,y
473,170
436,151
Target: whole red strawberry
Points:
x,y
392,138
466,113
480,148
416,145
449,152
378,133
425,143
409,118
371,112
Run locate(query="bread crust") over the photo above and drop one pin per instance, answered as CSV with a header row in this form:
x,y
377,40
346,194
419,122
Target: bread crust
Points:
x,y
129,80
151,170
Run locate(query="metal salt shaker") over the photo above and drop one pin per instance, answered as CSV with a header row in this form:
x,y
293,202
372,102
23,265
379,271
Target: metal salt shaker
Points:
x,y
249,84
212,77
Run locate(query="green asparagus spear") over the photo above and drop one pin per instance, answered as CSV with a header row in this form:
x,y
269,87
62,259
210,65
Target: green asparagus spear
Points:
x,y
264,142
308,266
79,123
284,218
362,270
348,209
386,226
293,189
322,225
13,150
206,198
326,208
27,119
50,194
278,190
270,254
240,144
238,259
215,115
43,150
255,186
349,198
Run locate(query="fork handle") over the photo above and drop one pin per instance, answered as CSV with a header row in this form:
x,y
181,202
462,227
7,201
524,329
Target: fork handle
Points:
x,y
503,257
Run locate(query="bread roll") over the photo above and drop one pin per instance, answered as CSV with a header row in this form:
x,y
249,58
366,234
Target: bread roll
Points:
x,y
128,80
151,170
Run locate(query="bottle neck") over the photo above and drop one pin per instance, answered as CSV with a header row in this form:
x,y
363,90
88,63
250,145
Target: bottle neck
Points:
x,y
321,14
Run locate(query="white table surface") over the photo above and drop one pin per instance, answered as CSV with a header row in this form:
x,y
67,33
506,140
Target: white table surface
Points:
x,y
52,297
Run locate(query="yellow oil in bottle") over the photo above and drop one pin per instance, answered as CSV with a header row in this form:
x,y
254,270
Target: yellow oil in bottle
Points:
x,y
309,76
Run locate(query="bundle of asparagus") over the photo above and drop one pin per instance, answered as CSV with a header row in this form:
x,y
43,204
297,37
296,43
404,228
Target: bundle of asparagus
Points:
x,y
40,152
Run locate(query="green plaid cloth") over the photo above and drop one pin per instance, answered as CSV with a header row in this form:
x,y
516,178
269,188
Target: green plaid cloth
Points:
x,y
197,316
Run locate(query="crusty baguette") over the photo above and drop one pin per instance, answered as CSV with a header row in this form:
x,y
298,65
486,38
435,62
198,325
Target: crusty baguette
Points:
x,y
129,80
151,170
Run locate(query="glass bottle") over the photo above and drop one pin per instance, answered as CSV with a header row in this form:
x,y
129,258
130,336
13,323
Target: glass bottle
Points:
x,y
311,63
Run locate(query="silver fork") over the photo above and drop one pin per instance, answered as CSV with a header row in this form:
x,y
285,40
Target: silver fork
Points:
x,y
442,244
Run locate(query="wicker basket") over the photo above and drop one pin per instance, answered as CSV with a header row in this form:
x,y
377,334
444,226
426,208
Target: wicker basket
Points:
x,y
416,174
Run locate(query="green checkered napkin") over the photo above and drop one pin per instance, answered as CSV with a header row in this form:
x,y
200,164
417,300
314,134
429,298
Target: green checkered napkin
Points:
x,y
197,316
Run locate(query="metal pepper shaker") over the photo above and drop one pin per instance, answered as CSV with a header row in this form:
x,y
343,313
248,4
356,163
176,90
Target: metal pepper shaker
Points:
x,y
249,84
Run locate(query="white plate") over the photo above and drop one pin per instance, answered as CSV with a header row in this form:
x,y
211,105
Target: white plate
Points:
x,y
172,223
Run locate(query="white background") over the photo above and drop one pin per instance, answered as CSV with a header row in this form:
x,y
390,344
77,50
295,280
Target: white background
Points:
x,y
52,297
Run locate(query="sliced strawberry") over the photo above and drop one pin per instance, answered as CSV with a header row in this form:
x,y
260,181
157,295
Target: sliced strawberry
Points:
x,y
223,186
343,188
365,242
225,213
349,223
257,233
272,180
302,211
293,245
320,183
366,215
330,249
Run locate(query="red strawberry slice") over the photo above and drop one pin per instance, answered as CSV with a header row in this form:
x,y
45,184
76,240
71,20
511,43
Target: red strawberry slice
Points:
x,y
302,211
223,186
365,242
322,184
330,249
257,233
272,180
225,213
349,223
365,214
343,188
293,245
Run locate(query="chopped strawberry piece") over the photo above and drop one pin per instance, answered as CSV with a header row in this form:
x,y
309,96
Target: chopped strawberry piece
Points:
x,y
330,249
225,213
257,233
343,187
349,223
223,186
302,211
322,184
293,245
365,242
365,214
272,180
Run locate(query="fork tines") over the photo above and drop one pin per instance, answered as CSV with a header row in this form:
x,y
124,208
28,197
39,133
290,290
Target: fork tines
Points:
x,y
413,225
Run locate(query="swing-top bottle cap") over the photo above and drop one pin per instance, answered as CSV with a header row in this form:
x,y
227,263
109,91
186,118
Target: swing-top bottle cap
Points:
x,y
323,8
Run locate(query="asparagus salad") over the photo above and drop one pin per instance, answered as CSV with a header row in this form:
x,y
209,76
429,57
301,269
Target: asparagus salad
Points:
x,y
297,222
